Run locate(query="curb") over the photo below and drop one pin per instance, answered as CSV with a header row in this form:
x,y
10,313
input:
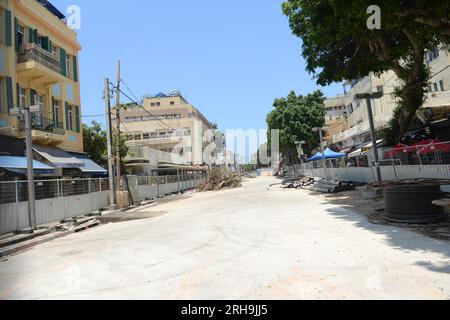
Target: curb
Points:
x,y
27,246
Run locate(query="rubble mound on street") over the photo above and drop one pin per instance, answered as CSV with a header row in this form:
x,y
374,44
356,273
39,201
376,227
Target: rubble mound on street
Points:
x,y
219,180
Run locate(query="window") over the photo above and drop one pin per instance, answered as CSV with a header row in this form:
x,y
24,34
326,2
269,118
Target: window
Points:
x,y
158,104
441,85
436,89
22,98
172,103
153,135
56,113
188,149
177,116
162,135
169,117
146,136
153,104
1,96
68,67
137,137
21,37
70,118
129,137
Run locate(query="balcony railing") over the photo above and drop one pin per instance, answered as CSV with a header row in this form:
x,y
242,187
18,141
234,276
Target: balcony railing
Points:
x,y
39,123
32,52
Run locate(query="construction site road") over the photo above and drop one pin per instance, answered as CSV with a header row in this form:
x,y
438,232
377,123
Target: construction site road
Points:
x,y
254,242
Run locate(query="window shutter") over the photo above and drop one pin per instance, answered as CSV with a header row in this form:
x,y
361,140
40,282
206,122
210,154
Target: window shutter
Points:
x,y
67,116
9,93
36,36
50,46
30,35
8,21
77,118
16,32
53,112
32,96
45,44
63,62
17,95
75,69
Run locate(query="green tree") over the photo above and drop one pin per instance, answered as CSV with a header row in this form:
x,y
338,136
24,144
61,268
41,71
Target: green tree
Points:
x,y
338,45
94,139
95,144
295,117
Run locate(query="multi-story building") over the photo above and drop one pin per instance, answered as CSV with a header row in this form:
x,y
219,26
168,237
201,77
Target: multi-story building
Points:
x,y
39,67
166,128
347,117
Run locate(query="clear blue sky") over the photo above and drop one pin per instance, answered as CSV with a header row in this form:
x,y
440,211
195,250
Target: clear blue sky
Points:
x,y
229,58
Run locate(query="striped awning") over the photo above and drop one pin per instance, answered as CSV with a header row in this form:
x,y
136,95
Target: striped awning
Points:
x,y
58,158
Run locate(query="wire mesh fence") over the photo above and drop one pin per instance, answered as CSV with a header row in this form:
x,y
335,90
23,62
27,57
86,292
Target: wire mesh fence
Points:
x,y
17,191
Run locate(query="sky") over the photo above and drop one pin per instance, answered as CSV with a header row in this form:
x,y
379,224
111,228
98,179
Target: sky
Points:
x,y
230,59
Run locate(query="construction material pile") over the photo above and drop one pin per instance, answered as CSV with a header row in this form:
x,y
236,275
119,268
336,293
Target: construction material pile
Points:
x,y
331,186
298,184
219,179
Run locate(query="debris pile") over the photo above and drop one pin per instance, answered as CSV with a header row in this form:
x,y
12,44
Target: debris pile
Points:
x,y
331,186
298,184
219,179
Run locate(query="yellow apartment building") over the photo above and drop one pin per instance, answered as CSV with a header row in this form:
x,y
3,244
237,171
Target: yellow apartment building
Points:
x,y
39,67
167,129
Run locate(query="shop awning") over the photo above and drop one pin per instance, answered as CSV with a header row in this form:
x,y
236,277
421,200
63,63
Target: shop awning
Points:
x,y
58,158
19,165
91,167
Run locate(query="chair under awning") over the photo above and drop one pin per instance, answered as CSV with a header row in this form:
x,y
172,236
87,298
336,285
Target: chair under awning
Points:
x,y
58,158
19,165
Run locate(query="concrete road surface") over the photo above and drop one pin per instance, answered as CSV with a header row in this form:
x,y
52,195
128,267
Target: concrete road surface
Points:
x,y
247,243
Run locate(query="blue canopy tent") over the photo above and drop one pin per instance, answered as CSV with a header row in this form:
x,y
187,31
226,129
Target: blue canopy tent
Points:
x,y
329,154
318,156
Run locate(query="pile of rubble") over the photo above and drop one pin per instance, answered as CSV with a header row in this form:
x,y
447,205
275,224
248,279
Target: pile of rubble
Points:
x,y
318,185
298,184
219,179
331,186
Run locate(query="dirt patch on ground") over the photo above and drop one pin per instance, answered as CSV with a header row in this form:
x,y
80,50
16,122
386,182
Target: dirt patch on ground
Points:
x,y
373,210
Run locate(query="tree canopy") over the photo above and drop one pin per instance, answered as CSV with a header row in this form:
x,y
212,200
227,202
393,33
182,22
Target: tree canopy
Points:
x,y
295,116
338,45
95,144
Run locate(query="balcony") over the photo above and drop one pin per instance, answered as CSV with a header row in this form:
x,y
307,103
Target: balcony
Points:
x,y
38,65
45,131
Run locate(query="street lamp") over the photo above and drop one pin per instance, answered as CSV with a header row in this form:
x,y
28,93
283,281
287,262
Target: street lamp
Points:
x,y
368,97
324,161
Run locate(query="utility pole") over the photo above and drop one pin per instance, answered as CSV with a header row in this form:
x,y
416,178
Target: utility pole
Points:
x,y
118,164
368,97
301,153
30,171
324,161
112,189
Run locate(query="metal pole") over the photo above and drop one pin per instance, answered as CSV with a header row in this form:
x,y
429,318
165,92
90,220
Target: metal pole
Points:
x,y
118,160
112,189
178,179
324,161
30,172
374,139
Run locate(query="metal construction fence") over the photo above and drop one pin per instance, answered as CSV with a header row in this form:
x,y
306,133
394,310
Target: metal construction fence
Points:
x,y
61,199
